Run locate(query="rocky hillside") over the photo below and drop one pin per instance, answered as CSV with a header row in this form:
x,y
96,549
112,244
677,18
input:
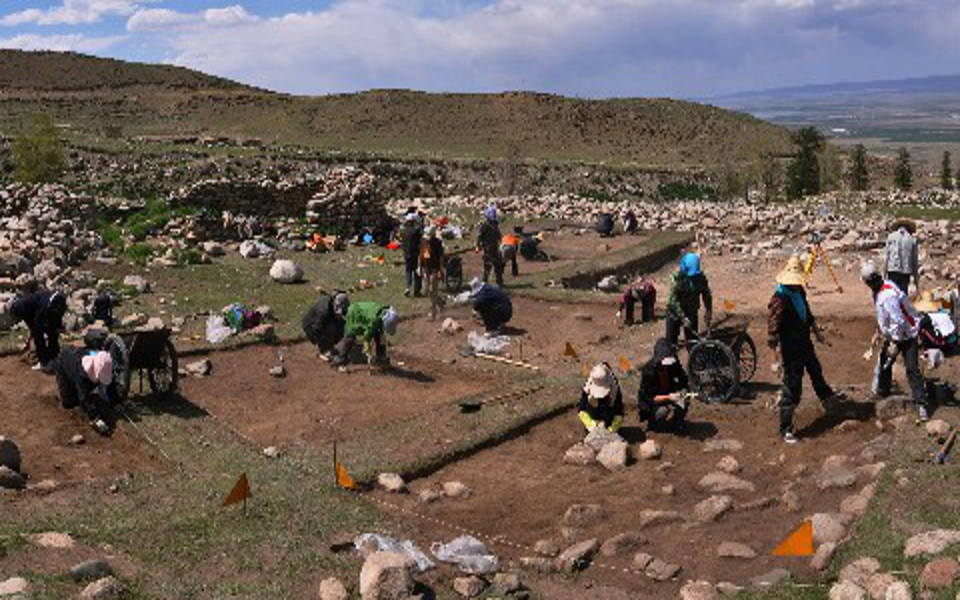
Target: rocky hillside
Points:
x,y
90,96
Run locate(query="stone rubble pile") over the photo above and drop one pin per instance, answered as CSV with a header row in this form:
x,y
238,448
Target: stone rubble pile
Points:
x,y
347,201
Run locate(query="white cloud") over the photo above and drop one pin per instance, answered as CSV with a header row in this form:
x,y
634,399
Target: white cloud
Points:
x,y
61,43
165,20
72,12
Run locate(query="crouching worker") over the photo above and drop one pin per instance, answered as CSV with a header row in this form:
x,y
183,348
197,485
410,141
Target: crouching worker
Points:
x,y
601,403
370,322
662,399
641,291
789,327
492,304
42,312
325,321
85,379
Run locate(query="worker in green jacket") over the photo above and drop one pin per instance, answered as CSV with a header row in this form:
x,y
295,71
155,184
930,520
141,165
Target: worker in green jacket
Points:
x,y
368,321
688,287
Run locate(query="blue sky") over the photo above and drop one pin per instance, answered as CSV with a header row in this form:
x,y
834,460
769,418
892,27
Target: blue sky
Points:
x,y
591,48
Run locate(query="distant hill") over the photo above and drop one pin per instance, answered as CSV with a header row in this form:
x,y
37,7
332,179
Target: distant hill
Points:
x,y
937,84
87,95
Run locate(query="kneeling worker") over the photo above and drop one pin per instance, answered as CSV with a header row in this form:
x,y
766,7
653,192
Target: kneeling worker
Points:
x,y
492,304
601,402
324,322
368,321
85,379
662,398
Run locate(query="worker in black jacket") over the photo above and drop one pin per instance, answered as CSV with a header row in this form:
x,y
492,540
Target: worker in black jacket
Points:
x,y
662,400
42,312
411,237
85,379
324,322
492,304
601,402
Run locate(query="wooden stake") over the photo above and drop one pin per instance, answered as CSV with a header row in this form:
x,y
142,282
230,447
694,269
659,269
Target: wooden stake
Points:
x,y
507,361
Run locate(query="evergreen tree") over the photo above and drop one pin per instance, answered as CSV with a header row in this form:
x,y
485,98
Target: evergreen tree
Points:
x,y
946,172
903,172
859,176
803,174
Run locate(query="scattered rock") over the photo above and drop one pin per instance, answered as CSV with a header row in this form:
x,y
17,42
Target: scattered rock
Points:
x,y
278,371
938,428
286,271
668,490
271,452
455,489
940,573
613,456
718,482
91,569
871,471
15,586
931,542
507,583
770,579
699,590
429,495
877,585
711,509
790,501
860,570
653,518
582,515
11,480
735,550
540,564
600,437
729,464
723,446
823,556
650,450
728,589
578,556
333,589
547,548
846,590
78,440
469,587
392,482
387,576
889,408
621,544
10,454
200,368
659,570
137,282
580,454
214,249
641,560
451,326
107,588
837,472
828,527
53,540
899,590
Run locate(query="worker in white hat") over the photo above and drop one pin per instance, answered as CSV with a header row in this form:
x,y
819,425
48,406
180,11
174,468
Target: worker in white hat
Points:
x,y
601,403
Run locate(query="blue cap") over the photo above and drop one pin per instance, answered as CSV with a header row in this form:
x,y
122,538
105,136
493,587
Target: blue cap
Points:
x,y
690,264
490,213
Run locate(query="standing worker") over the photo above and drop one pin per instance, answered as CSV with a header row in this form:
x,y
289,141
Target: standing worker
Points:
x,y
411,237
42,312
509,249
492,304
488,242
899,326
687,287
601,402
789,327
368,321
901,255
641,291
433,267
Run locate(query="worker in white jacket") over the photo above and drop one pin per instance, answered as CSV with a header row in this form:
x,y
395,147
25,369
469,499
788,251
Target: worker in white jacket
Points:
x,y
899,326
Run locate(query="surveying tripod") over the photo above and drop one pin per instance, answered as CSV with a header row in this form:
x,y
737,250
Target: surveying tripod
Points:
x,y
817,252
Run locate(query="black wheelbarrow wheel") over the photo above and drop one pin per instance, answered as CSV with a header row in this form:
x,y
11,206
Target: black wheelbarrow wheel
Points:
x,y
746,352
121,366
714,374
164,375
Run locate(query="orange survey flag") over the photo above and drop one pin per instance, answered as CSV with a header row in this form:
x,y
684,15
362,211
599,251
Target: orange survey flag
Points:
x,y
240,492
728,305
798,543
343,478
625,365
569,351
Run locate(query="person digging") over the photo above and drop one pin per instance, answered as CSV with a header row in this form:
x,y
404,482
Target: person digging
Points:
x,y
42,312
641,291
898,327
688,287
324,323
370,322
662,397
491,304
790,325
488,243
85,380
601,402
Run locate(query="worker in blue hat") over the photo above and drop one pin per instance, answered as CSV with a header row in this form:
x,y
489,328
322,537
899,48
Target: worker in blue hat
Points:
x,y
688,288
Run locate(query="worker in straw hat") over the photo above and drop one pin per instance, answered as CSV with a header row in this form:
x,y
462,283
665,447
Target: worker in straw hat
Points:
x,y
901,255
790,326
601,402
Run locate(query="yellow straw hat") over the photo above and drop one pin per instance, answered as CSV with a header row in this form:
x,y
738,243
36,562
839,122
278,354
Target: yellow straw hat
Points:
x,y
792,274
927,304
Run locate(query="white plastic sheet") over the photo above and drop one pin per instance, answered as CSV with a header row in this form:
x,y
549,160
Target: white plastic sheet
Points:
x,y
389,544
468,553
217,329
487,344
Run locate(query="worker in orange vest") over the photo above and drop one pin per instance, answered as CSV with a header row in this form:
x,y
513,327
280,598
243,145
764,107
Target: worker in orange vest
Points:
x,y
509,249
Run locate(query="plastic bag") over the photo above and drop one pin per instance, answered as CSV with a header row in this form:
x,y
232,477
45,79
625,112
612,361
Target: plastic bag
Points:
x,y
487,345
463,298
469,553
217,329
389,544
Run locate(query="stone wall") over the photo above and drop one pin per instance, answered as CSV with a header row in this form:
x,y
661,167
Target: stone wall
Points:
x,y
260,198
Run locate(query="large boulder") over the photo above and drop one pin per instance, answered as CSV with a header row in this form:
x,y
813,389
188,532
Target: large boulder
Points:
x,y
387,576
108,588
931,542
614,456
286,271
